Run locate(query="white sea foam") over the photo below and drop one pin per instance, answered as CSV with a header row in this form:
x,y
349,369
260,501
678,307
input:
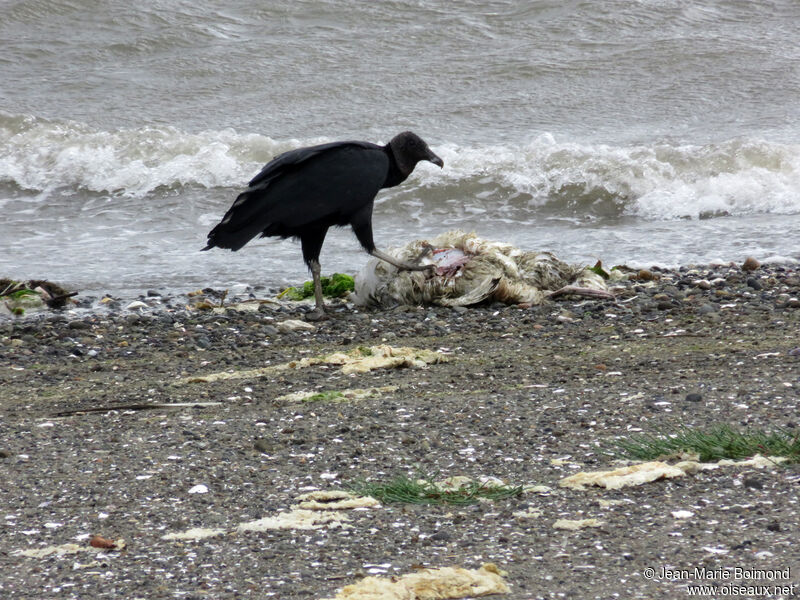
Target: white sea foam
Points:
x,y
659,181
42,155
656,182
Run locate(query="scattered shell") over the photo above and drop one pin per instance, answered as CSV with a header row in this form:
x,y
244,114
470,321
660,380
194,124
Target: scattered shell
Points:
x,y
682,514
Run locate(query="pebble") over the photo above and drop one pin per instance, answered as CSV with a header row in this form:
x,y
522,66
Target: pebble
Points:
x,y
703,284
753,483
693,397
441,536
750,264
754,283
645,275
290,325
707,308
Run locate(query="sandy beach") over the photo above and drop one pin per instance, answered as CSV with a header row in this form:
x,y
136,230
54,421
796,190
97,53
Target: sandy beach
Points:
x,y
89,445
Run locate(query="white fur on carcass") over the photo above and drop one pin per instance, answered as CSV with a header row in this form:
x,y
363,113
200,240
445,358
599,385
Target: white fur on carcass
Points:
x,y
470,270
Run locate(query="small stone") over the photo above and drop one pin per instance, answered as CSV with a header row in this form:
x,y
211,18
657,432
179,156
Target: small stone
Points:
x,y
135,305
441,536
264,446
707,308
750,264
290,325
753,483
645,275
703,284
77,324
693,397
774,526
754,283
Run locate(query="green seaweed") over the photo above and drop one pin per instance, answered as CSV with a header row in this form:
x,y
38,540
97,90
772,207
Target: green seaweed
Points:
x,y
337,285
722,441
19,294
599,270
325,396
426,491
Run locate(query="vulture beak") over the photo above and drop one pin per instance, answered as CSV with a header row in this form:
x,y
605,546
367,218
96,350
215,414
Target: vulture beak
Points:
x,y
435,159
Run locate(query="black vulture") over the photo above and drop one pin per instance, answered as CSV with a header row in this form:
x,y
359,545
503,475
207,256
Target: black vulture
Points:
x,y
303,192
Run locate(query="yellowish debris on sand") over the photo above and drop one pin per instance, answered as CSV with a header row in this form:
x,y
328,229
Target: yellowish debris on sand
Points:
x,y
297,518
651,471
429,584
335,500
64,549
195,533
358,360
575,524
361,360
338,395
623,477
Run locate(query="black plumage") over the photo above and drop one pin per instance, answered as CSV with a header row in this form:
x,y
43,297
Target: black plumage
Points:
x,y
304,192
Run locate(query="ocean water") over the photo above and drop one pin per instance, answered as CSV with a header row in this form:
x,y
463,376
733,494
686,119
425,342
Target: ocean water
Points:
x,y
641,132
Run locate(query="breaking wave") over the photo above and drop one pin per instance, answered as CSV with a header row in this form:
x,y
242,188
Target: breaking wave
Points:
x,y
658,181
661,181
41,155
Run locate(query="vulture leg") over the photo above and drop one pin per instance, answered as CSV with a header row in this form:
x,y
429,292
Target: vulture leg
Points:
x,y
311,242
403,266
318,312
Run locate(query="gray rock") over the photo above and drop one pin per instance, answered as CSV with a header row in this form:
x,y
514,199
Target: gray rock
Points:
x,y
754,283
707,308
